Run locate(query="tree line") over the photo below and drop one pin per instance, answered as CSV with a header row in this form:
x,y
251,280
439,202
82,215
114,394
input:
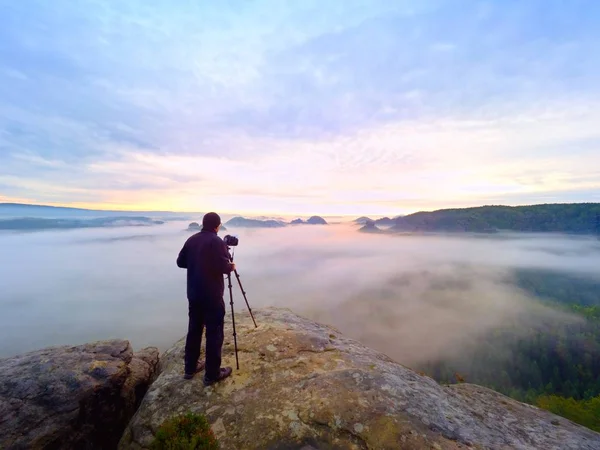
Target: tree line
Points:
x,y
577,218
555,366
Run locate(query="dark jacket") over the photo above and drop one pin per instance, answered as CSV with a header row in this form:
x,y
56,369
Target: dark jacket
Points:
x,y
206,259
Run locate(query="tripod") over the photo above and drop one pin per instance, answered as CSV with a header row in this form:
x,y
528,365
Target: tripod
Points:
x,y
237,363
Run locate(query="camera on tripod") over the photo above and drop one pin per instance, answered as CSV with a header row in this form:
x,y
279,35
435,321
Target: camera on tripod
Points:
x,y
231,241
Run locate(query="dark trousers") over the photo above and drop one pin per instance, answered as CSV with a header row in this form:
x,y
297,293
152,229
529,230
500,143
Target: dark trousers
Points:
x,y
212,317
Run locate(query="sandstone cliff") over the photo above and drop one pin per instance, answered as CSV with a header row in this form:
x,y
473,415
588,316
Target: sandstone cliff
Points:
x,y
79,397
302,385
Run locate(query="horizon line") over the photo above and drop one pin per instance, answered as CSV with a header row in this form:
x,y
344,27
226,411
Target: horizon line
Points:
x,y
271,214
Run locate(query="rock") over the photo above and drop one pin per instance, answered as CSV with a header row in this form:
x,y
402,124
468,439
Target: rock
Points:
x,y
69,397
304,385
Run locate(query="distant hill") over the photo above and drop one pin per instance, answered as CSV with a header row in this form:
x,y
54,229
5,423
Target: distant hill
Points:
x,y
253,223
31,224
385,221
23,210
194,226
370,227
314,220
580,218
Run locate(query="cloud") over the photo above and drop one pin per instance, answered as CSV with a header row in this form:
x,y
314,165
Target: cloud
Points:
x,y
391,169
416,299
380,100
412,297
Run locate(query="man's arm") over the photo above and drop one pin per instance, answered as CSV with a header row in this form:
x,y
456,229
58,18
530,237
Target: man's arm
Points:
x,y
182,258
222,260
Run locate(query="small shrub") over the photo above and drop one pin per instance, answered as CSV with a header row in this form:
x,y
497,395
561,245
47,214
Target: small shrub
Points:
x,y
185,432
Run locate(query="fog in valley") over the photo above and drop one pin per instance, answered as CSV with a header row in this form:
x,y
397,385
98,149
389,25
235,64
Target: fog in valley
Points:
x,y
415,298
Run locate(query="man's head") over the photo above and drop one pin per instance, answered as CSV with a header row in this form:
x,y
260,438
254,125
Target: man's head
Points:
x,y
211,221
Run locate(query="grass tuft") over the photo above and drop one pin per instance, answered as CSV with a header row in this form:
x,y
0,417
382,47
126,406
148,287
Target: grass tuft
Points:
x,y
189,431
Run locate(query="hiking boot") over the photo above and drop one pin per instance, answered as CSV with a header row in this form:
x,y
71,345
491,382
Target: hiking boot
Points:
x,y
224,373
199,368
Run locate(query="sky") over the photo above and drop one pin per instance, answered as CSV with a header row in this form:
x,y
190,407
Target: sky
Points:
x,y
341,107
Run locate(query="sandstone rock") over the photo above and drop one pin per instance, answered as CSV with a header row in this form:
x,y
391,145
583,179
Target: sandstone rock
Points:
x,y
304,385
72,397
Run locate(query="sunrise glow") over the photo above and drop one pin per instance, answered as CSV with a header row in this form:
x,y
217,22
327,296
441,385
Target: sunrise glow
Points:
x,y
343,108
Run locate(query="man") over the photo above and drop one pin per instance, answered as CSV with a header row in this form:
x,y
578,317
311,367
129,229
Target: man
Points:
x,y
206,258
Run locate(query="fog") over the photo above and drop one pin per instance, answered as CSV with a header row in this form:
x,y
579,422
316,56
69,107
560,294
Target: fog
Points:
x,y
412,297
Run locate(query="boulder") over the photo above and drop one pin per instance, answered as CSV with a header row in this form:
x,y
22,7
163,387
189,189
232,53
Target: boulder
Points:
x,y
72,397
303,385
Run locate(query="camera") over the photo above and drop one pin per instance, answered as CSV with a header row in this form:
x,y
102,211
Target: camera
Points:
x,y
231,241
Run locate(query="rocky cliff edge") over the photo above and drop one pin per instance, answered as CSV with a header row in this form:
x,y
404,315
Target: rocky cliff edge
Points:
x,y
72,397
303,385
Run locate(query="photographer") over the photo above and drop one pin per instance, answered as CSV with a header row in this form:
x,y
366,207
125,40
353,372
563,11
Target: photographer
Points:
x,y
206,258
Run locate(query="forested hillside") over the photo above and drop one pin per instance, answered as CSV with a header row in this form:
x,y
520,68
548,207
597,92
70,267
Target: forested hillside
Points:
x,y
555,365
581,218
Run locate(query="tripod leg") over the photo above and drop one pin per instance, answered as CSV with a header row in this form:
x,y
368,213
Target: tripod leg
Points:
x,y
237,363
245,298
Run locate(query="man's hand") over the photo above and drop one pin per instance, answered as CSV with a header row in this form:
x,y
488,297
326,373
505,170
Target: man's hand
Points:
x,y
232,266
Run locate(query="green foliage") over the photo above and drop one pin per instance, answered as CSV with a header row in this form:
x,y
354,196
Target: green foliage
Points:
x,y
589,312
552,363
558,287
185,432
583,412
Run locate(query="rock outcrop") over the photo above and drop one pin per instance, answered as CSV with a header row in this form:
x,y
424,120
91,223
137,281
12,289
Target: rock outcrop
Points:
x,y
313,220
194,226
302,385
316,220
79,397
370,227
